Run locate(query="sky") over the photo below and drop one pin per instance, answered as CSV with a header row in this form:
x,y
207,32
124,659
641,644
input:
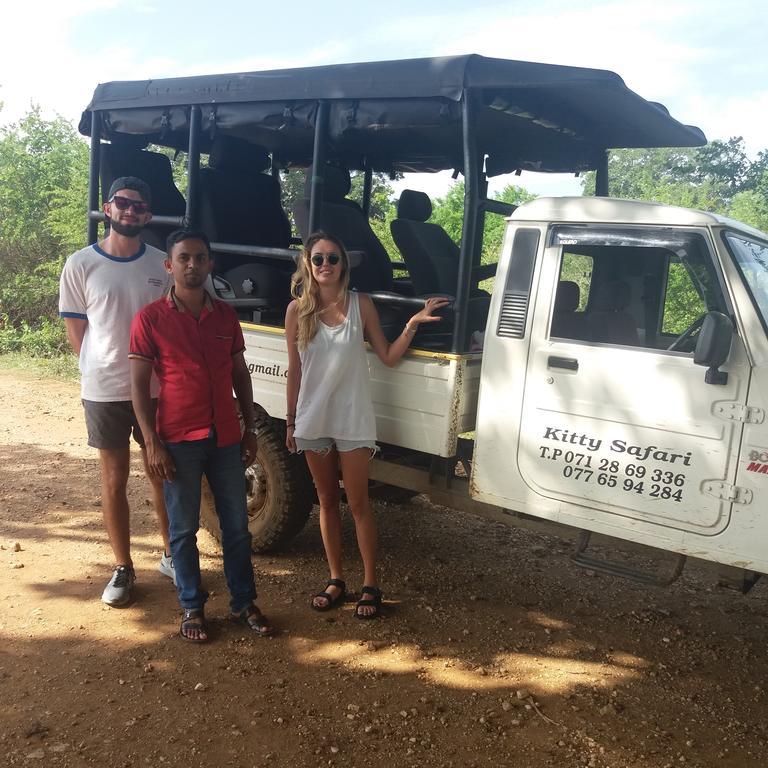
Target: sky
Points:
x,y
707,61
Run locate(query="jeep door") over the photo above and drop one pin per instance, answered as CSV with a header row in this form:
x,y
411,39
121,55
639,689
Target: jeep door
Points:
x,y
616,417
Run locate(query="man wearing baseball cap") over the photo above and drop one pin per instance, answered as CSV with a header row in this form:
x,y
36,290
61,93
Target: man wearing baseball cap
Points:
x,y
102,287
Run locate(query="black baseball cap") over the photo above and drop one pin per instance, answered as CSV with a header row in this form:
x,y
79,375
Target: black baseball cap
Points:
x,y
131,182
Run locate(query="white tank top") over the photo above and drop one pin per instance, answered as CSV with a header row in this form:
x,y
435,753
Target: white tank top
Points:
x,y
335,392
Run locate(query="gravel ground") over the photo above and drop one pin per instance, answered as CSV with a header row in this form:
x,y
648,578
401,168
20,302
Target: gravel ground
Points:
x,y
495,649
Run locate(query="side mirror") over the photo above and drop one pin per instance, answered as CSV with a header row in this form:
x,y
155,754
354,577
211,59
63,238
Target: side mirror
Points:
x,y
713,346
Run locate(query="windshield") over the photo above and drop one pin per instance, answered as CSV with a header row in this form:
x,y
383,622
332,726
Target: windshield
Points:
x,y
751,257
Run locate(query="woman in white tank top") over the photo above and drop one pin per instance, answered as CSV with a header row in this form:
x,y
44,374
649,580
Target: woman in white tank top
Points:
x,y
330,416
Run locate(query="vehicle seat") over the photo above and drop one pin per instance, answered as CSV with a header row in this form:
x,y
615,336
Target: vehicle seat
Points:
x,y
429,253
240,203
567,321
607,320
127,158
432,257
345,219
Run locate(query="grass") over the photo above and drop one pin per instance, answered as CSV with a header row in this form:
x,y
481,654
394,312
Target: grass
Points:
x,y
61,367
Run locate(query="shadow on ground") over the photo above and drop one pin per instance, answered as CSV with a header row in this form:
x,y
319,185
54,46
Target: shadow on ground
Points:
x,y
495,650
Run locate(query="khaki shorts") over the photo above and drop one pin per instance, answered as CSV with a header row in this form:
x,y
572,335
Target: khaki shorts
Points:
x,y
110,425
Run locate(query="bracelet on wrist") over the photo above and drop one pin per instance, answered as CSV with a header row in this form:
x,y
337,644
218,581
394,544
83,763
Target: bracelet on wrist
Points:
x,y
292,424
409,330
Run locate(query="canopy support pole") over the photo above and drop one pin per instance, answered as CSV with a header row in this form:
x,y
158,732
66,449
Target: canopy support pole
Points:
x,y
472,228
318,171
367,188
93,177
601,175
193,167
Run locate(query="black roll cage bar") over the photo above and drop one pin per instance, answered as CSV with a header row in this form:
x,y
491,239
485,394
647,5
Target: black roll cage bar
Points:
x,y
476,202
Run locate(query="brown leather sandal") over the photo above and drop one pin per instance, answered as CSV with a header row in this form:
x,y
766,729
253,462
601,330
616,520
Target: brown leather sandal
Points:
x,y
193,618
255,620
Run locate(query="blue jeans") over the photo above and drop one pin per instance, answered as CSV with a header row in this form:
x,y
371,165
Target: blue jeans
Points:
x,y
224,470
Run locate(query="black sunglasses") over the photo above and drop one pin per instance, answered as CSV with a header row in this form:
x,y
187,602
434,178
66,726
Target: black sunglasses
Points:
x,y
124,203
318,259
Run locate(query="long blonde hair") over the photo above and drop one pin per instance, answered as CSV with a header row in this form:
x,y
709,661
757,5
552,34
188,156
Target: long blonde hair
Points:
x,y
305,290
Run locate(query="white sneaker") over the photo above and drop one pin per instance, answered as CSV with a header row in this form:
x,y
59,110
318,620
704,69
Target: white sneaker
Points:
x,y
119,590
166,567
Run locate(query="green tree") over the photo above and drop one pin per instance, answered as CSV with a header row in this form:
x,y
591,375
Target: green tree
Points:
x,y
448,212
710,178
43,180
666,175
751,206
493,233
725,164
382,209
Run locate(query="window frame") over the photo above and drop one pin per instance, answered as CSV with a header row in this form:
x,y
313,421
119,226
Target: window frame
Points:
x,y
734,259
561,236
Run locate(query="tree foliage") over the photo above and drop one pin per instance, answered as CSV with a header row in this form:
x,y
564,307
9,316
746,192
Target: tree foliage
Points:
x,y
751,205
382,209
719,177
43,182
448,212
43,197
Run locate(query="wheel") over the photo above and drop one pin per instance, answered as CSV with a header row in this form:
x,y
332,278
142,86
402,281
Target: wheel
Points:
x,y
279,491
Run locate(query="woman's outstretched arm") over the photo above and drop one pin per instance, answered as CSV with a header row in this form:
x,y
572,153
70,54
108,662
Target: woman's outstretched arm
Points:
x,y
390,353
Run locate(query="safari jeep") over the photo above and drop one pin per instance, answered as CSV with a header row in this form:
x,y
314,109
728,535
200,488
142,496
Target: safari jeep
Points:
x,y
614,380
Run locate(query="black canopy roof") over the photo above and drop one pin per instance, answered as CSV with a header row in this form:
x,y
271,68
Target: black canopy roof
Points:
x,y
402,115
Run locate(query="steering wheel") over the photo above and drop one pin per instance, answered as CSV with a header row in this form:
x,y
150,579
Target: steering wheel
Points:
x,y
687,334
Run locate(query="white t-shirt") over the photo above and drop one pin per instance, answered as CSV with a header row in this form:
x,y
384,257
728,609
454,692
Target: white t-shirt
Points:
x,y
107,292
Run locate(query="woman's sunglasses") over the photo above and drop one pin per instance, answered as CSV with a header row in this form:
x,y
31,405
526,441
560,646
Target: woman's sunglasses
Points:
x,y
318,259
124,203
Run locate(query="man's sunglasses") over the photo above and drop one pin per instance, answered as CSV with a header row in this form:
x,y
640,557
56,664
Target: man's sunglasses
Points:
x,y
124,203
331,258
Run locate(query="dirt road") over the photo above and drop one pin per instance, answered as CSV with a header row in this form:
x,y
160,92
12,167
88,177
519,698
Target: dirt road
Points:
x,y
495,651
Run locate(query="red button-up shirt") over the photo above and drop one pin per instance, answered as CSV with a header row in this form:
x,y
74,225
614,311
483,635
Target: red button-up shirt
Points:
x,y
193,362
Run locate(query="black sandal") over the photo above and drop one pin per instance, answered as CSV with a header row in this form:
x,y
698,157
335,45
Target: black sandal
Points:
x,y
374,603
193,618
332,602
255,620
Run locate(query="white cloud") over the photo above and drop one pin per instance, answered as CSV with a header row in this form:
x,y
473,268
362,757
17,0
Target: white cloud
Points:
x,y
61,78
683,53
734,116
36,64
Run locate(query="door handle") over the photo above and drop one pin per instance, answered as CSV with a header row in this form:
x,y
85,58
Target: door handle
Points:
x,y
568,363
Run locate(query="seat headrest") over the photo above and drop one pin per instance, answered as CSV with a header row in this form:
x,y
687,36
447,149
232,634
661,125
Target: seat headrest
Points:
x,y
337,183
567,296
129,142
152,167
414,206
229,153
612,296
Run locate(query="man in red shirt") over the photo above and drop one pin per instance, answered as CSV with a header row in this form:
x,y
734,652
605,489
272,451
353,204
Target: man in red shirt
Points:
x,y
195,345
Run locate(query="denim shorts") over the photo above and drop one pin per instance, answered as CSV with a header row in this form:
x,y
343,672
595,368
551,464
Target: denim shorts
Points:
x,y
324,444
